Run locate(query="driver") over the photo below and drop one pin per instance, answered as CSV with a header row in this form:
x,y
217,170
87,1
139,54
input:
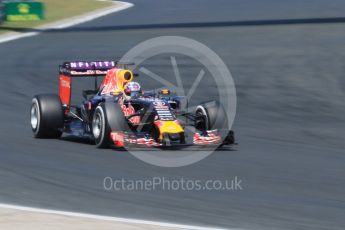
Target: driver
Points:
x,y
131,89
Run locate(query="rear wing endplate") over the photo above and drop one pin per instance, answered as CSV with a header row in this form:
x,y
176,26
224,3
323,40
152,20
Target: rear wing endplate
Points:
x,y
70,70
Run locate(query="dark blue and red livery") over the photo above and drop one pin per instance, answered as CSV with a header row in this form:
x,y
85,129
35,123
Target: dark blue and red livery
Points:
x,y
118,112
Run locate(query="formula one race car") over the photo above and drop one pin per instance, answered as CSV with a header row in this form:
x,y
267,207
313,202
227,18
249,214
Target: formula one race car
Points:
x,y
118,112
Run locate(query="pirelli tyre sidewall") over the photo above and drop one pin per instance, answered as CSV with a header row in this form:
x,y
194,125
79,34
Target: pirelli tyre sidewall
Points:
x,y
214,115
46,116
107,118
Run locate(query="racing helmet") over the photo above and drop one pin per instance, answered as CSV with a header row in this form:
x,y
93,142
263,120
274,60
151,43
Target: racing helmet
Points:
x,y
132,89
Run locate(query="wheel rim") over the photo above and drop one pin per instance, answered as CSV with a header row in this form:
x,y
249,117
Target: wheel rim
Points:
x,y
97,125
201,120
34,116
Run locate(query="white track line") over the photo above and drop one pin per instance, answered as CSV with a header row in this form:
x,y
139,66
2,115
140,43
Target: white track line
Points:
x,y
106,218
70,21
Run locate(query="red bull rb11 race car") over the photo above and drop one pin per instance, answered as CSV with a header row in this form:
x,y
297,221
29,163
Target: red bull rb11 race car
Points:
x,y
119,113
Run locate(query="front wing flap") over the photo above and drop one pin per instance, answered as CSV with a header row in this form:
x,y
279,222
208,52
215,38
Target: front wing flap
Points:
x,y
211,137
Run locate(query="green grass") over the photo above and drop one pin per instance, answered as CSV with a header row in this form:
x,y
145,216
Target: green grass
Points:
x,y
56,10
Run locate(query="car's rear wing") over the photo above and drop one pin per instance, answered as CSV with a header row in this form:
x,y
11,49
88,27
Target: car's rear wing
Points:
x,y
86,69
69,70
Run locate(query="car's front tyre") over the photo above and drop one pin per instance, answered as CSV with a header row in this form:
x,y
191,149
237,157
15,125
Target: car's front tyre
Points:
x,y
100,129
107,118
210,115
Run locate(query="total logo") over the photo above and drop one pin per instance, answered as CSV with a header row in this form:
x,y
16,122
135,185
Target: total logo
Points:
x,y
65,83
159,103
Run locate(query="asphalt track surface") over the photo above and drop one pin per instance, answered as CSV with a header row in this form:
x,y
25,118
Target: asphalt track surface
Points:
x,y
289,123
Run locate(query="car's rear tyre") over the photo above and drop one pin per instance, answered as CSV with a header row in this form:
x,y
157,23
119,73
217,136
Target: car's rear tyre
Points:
x,y
46,116
210,115
107,117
